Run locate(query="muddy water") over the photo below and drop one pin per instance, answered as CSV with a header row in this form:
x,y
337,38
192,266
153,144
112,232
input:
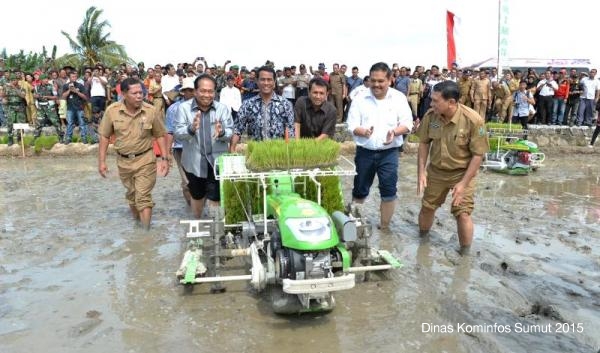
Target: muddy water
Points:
x,y
76,275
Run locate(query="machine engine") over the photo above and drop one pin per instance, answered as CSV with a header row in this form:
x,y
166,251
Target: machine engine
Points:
x,y
300,265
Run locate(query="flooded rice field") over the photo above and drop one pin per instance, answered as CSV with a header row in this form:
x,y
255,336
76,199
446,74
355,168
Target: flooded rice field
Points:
x,y
76,274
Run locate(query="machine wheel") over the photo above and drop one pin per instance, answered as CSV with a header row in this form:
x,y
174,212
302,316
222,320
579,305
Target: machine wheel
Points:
x,y
283,303
188,288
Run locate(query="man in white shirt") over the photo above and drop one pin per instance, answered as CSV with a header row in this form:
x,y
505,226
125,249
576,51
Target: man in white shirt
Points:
x,y
169,81
98,89
588,99
360,89
377,119
231,97
546,88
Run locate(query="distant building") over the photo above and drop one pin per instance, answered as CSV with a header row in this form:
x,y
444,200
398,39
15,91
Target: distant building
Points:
x,y
539,65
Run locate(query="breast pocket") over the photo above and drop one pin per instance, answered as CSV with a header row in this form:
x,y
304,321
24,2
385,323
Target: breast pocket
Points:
x,y
435,134
146,129
120,127
461,139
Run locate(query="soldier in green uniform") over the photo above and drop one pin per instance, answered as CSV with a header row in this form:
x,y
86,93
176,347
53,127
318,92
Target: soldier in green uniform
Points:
x,y
14,102
46,99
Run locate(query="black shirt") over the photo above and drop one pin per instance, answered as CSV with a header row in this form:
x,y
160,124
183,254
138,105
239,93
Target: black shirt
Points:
x,y
74,101
313,122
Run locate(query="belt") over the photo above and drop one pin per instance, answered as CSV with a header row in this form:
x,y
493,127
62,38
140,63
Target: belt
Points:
x,y
43,103
133,155
410,94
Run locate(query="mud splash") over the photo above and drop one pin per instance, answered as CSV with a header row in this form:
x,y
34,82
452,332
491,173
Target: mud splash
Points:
x,y
76,275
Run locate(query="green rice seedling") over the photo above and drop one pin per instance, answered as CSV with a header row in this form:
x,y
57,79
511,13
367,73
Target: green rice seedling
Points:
x,y
505,126
279,155
45,143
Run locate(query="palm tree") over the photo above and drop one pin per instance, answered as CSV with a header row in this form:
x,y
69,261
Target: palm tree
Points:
x,y
92,45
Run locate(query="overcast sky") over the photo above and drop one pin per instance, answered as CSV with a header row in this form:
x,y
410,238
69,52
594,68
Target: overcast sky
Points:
x,y
351,32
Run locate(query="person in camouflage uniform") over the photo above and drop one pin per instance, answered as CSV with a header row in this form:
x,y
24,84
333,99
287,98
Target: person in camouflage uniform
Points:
x,y
46,99
14,102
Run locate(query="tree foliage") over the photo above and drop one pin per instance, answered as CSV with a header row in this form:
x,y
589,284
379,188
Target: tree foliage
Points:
x,y
92,45
28,62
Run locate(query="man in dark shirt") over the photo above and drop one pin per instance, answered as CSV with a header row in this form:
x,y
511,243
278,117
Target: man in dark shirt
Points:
x,y
315,116
76,96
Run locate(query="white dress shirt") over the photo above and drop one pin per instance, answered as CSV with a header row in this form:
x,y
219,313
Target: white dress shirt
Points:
x,y
383,115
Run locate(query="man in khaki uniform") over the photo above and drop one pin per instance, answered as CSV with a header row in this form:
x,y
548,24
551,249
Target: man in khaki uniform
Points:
x,y
513,87
415,91
339,91
454,139
464,86
134,124
481,93
502,100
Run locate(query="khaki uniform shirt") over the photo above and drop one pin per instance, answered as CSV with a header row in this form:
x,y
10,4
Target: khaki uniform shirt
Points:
x,y
480,89
134,133
337,83
464,86
415,87
501,91
453,144
513,86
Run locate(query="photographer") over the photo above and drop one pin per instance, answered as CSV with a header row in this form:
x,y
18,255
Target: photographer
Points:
x,y
75,95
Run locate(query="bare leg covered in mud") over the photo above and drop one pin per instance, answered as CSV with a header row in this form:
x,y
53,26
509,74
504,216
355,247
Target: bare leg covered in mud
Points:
x,y
464,225
197,207
386,211
425,221
144,216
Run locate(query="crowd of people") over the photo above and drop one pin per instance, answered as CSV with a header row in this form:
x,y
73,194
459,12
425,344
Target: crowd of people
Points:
x,y
192,113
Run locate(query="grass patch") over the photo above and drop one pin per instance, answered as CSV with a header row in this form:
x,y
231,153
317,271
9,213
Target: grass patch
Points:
x,y
413,138
45,143
514,127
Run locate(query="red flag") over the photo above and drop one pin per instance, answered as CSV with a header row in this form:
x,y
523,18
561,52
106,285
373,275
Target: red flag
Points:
x,y
450,37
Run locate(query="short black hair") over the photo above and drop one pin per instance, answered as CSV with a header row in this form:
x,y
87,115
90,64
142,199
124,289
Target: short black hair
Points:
x,y
381,66
448,90
267,69
318,81
204,77
128,82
